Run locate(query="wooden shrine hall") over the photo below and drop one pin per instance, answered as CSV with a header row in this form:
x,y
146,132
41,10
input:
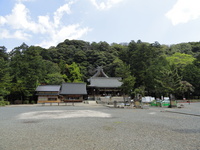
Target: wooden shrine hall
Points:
x,y
100,85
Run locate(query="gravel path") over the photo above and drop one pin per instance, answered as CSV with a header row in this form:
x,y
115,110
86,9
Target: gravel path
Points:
x,y
84,127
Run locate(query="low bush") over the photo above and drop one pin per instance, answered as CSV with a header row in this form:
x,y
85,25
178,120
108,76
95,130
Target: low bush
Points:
x,y
32,102
3,103
26,102
7,102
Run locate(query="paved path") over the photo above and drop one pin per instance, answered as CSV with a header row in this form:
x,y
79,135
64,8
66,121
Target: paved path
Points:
x,y
87,127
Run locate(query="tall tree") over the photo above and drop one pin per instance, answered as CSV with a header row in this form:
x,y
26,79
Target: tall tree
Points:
x,y
128,80
4,78
153,73
191,74
142,56
3,53
28,70
169,80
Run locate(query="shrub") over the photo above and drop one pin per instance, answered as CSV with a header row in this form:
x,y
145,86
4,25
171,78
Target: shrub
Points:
x,y
32,102
3,103
26,102
7,102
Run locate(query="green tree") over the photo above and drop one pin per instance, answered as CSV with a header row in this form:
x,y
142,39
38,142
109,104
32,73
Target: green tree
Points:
x,y
4,78
80,56
169,80
153,73
28,69
62,66
138,92
185,87
51,73
19,90
54,79
185,48
128,81
103,46
180,59
191,74
73,73
195,48
141,57
3,53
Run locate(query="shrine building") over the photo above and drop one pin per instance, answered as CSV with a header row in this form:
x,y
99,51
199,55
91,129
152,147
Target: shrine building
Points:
x,y
100,85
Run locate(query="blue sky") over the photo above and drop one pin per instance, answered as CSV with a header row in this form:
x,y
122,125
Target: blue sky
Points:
x,y
46,23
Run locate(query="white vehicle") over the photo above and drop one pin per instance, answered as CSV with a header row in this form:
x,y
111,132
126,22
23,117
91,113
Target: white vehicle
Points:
x,y
147,99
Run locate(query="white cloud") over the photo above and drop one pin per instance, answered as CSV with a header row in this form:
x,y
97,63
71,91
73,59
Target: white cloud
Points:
x,y
70,32
184,11
20,19
21,35
5,34
51,32
2,20
106,4
44,24
60,12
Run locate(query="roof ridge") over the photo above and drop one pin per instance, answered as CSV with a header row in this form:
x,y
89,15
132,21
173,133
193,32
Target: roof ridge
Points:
x,y
100,72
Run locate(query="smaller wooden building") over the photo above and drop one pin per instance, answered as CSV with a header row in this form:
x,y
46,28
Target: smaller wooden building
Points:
x,y
73,92
48,93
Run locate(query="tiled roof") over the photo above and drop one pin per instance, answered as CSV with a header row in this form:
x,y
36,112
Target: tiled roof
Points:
x,y
112,82
73,88
48,88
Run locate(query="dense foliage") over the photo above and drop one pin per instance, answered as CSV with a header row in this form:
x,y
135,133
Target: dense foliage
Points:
x,y
150,68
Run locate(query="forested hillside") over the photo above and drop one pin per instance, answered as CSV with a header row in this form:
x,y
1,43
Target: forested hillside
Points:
x,y
146,68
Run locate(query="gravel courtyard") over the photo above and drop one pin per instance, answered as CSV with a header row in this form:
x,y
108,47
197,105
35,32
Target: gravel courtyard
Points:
x,y
86,127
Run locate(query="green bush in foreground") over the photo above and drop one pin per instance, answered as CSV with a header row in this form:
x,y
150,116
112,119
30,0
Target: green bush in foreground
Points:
x,y
3,103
